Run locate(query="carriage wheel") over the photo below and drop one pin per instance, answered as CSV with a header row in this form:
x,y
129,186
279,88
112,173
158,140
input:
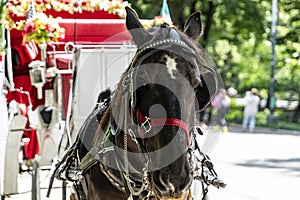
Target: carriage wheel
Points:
x,y
35,190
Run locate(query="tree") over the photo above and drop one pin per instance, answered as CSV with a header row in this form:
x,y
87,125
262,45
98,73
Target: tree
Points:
x,y
237,35
2,4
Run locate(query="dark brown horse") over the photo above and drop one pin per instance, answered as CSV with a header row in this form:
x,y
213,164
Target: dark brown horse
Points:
x,y
136,143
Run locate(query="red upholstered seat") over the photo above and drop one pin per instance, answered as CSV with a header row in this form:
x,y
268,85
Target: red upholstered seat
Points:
x,y
22,97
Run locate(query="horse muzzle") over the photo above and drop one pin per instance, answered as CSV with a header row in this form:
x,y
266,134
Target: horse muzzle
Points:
x,y
168,184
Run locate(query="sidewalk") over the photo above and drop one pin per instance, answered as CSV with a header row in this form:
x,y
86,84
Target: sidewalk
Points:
x,y
25,186
257,166
238,128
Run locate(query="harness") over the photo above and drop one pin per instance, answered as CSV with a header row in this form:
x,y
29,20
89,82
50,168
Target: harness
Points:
x,y
146,123
123,180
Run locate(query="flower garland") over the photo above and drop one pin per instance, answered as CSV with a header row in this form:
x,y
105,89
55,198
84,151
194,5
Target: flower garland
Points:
x,y
157,21
41,29
44,29
19,8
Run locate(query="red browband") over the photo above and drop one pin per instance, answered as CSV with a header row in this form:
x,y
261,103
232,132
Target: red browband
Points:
x,y
165,122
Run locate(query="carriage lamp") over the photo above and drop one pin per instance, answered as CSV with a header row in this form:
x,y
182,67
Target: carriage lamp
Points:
x,y
38,76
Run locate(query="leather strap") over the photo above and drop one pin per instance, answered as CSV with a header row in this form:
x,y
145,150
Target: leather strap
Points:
x,y
165,122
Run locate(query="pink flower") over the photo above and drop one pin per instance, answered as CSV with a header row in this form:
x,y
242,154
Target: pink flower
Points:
x,y
76,4
83,3
49,28
15,3
29,27
39,1
67,1
11,13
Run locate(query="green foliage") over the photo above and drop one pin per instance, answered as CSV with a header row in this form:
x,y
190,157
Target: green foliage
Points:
x,y
2,4
281,120
146,9
235,116
236,113
238,36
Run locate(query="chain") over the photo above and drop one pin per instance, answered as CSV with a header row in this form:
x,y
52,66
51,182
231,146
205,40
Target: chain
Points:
x,y
131,88
126,168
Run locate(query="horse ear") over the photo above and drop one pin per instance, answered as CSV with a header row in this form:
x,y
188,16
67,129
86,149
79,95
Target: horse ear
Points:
x,y
193,26
139,34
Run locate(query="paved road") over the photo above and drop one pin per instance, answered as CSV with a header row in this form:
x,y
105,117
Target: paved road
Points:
x,y
257,166
24,187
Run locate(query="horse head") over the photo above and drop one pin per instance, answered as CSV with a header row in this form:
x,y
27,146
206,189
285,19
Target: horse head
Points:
x,y
154,106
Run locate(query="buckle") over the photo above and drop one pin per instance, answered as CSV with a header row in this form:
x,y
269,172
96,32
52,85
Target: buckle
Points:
x,y
147,124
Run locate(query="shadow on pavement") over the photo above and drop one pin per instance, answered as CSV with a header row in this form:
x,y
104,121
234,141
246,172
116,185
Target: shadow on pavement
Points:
x,y
237,128
289,165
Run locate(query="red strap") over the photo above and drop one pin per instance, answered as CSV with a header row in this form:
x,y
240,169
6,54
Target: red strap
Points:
x,y
166,122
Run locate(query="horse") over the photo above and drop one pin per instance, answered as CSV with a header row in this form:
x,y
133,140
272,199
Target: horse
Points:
x,y
136,143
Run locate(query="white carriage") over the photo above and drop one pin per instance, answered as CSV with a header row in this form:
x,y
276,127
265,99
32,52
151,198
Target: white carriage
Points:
x,y
91,59
98,54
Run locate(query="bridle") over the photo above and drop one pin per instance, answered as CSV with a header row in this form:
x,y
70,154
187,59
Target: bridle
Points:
x,y
128,86
121,178
145,122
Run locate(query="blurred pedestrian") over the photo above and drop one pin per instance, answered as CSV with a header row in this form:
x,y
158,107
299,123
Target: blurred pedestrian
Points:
x,y
221,105
251,109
